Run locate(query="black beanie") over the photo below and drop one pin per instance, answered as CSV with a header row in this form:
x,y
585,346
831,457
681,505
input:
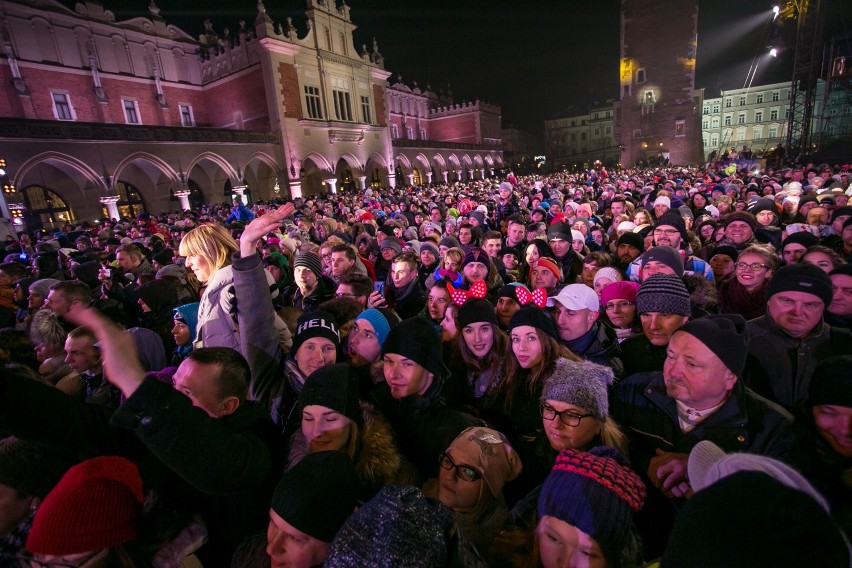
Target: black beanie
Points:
x,y
665,255
763,204
831,382
559,230
749,519
726,335
317,494
315,324
726,250
475,311
801,277
803,238
743,216
674,219
417,339
535,317
335,388
633,239
664,293
310,261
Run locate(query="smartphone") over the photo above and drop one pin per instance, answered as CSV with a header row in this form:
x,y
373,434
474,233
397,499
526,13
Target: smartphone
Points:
x,y
379,287
108,272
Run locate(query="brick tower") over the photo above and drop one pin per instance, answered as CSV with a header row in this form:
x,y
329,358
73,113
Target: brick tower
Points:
x,y
658,112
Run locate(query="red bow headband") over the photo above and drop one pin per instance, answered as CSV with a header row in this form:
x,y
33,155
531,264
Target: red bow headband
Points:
x,y
459,297
537,297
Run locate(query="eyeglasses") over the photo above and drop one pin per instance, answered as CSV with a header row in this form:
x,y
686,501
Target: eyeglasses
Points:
x,y
566,416
464,472
754,266
346,295
617,305
27,560
669,232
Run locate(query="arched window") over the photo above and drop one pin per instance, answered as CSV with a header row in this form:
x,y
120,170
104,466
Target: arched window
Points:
x,y
130,203
45,208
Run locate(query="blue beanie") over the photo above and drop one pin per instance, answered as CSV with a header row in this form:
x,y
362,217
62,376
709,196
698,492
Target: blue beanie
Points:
x,y
382,321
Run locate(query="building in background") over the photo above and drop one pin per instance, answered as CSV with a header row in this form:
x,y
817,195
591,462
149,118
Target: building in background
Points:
x,y
520,150
657,115
581,141
100,117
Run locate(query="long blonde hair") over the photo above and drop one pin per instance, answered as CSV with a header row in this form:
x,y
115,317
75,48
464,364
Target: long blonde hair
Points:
x,y
211,242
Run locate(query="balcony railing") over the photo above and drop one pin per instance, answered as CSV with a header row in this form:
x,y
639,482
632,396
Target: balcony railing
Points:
x,y
406,143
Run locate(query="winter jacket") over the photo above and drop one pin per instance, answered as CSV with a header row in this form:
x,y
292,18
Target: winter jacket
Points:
x,y
780,366
323,292
599,345
639,355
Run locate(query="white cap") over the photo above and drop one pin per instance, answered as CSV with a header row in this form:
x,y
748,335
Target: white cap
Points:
x,y
577,235
576,297
663,200
626,226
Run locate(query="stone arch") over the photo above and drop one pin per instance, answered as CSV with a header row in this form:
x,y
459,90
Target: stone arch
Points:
x,y
261,174
212,173
320,162
376,171
403,162
489,161
345,175
69,165
151,176
353,162
439,163
313,174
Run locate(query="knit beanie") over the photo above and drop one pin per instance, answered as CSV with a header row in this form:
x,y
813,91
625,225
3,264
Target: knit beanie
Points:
x,y
801,277
417,339
428,245
672,218
42,287
664,293
335,388
317,494
607,272
581,383
475,255
382,320
488,452
594,491
535,317
508,291
188,315
391,243
449,242
665,255
831,382
309,260
550,265
761,522
763,204
619,291
726,250
577,235
315,324
398,528
96,505
476,311
803,238
726,335
159,295
632,239
743,216
31,469
559,230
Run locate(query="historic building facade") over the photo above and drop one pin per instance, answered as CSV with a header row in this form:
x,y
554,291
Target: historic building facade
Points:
x,y
578,141
104,117
658,111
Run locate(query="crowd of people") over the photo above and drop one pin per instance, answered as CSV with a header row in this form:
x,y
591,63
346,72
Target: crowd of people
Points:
x,y
644,367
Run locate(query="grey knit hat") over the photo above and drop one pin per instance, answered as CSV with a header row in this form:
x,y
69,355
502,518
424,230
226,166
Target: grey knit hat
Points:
x,y
42,287
309,260
664,293
398,528
581,383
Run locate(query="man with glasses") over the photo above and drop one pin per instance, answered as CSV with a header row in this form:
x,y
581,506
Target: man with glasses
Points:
x,y
699,395
670,231
356,287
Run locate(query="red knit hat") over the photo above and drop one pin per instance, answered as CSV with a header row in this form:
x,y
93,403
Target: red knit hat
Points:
x,y
95,505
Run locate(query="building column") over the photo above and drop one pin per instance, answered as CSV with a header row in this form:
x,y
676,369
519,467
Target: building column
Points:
x,y
410,178
492,171
470,174
445,174
333,183
183,198
429,177
111,202
362,182
295,189
240,190
392,180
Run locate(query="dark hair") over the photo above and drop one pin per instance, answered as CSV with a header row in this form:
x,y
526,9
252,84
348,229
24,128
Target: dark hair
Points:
x,y
14,270
601,259
517,219
17,348
407,257
234,372
495,357
344,248
491,235
361,285
74,291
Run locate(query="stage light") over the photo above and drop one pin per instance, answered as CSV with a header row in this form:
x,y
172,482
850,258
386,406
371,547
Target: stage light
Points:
x,y
775,11
773,52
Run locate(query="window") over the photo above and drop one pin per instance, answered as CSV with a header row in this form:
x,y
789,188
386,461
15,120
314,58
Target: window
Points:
x,y
705,110
756,134
680,128
637,133
773,114
741,118
742,101
312,102
597,131
740,135
715,108
776,96
131,111
186,118
773,132
758,116
608,130
705,124
728,103
714,122
423,134
626,90
786,112
394,131
650,98
409,132
728,120
342,105
62,107
759,98
365,109
640,76
714,141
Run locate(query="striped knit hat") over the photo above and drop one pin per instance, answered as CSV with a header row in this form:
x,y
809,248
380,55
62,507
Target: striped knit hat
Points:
x,y
664,293
595,492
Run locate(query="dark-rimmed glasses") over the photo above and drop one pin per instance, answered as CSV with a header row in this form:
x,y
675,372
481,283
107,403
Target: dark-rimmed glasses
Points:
x,y
464,472
567,417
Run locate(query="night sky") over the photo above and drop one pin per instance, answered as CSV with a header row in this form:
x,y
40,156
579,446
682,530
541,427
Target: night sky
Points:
x,y
538,60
